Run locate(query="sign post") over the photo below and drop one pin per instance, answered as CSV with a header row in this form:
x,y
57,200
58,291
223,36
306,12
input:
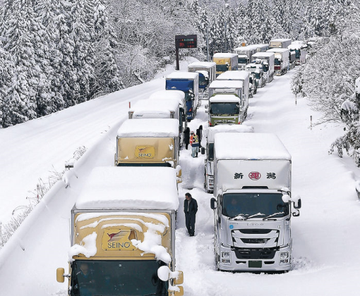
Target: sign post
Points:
x,y
184,41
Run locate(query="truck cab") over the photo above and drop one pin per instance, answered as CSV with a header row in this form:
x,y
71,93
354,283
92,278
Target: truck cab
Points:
x,y
252,203
188,82
209,149
123,234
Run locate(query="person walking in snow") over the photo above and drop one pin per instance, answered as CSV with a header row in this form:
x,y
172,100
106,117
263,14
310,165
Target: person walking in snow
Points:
x,y
186,137
190,209
194,142
199,134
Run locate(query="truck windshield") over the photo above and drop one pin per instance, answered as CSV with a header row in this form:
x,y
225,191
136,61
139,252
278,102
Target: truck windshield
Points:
x,y
222,68
259,205
224,108
114,277
277,62
243,60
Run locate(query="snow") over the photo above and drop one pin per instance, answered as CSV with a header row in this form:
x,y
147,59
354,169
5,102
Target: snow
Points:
x,y
154,108
157,191
224,99
226,84
149,127
182,75
249,146
325,236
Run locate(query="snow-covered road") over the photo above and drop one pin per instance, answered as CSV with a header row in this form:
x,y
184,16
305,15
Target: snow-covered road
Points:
x,y
326,235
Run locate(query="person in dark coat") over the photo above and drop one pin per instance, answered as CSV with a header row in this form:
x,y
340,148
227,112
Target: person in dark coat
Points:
x,y
187,137
199,134
190,209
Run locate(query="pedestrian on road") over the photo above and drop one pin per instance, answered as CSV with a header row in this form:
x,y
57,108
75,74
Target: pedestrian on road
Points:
x,y
199,134
190,209
186,137
194,142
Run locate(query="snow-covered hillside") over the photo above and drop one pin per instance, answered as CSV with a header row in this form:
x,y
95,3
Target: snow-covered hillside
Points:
x,y
326,236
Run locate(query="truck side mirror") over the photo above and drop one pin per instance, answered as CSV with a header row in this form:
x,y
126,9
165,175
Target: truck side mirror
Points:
x,y
297,205
213,203
203,150
60,275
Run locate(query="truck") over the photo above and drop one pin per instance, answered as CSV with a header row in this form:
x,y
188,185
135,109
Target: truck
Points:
x,y
209,149
299,47
279,43
267,59
207,73
281,60
227,103
252,203
258,73
188,82
244,54
241,75
148,142
162,104
225,62
122,234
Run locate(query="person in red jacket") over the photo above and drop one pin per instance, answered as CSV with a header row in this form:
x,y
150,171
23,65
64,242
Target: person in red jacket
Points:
x,y
194,142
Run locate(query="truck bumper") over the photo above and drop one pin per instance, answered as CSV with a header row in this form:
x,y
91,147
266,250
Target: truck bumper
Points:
x,y
230,259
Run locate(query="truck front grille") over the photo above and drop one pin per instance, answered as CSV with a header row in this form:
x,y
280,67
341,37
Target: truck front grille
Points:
x,y
264,254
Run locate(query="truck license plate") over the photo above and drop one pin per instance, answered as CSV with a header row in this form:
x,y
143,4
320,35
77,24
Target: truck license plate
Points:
x,y
256,264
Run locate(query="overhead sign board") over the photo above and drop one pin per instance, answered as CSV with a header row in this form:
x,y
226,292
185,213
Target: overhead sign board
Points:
x,y
186,41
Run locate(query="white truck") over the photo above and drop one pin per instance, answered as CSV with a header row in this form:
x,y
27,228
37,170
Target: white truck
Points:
x,y
241,75
268,60
209,149
281,62
245,55
299,47
279,43
256,69
123,234
207,73
162,104
252,203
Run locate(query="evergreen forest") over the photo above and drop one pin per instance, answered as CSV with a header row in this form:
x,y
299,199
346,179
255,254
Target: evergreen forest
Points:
x,y
59,53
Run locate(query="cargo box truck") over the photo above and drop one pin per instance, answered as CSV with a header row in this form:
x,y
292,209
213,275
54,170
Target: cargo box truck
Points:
x,y
123,234
188,82
148,142
225,62
267,59
252,203
209,149
281,62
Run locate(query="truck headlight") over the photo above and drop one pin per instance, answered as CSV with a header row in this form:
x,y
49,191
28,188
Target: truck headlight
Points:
x,y
284,257
225,257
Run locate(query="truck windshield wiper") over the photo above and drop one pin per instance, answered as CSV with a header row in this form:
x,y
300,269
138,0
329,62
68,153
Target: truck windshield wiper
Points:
x,y
239,216
272,215
255,215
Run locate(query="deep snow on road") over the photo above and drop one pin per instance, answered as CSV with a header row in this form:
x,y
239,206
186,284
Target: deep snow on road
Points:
x,y
325,236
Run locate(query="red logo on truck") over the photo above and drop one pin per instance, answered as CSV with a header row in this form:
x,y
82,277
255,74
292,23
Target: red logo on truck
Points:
x,y
254,176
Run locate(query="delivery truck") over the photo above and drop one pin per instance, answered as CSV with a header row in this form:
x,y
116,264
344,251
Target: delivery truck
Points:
x,y
244,54
240,75
227,102
157,106
252,203
267,59
279,43
148,142
225,62
122,234
209,149
281,62
207,73
188,82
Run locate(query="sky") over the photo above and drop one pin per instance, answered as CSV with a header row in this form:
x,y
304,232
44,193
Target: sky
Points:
x,y
325,235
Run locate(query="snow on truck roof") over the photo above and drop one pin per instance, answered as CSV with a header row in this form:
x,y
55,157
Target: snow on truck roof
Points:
x,y
228,75
182,75
263,54
226,84
155,108
168,94
224,55
249,146
149,127
201,65
130,188
278,50
227,128
224,98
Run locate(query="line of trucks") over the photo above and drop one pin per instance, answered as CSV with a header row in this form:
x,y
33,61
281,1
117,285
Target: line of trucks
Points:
x,y
122,230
